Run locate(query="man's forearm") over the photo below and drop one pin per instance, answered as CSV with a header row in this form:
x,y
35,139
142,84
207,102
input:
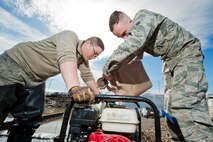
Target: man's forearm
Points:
x,y
69,73
92,85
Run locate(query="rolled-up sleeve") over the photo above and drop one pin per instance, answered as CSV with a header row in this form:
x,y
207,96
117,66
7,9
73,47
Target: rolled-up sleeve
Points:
x,y
86,73
66,43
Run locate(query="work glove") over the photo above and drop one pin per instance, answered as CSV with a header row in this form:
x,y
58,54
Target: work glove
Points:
x,y
81,94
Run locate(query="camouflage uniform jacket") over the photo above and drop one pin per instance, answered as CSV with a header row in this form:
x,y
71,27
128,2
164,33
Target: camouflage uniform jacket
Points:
x,y
157,35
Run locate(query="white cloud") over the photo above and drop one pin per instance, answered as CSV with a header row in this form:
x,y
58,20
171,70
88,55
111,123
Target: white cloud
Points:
x,y
90,17
13,24
6,42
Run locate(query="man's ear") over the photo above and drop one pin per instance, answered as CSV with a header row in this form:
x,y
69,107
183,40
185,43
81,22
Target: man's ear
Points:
x,y
87,42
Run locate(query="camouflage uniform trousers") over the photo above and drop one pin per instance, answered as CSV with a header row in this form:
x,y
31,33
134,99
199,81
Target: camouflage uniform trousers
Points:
x,y
185,98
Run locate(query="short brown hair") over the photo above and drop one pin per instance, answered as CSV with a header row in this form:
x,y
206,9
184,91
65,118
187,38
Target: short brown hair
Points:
x,y
114,19
97,41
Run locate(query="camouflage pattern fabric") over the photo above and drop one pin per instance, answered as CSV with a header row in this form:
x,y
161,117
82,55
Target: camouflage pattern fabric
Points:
x,y
184,74
154,34
11,73
185,98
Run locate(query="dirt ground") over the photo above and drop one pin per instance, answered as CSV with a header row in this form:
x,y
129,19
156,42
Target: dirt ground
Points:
x,y
55,104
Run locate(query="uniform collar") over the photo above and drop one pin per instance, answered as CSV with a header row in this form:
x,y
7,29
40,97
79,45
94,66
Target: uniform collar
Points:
x,y
79,47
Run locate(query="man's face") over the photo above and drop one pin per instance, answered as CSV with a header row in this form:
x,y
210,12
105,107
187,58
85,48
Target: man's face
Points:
x,y
121,29
89,51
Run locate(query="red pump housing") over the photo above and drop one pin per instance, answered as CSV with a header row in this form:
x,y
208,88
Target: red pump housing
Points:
x,y
99,136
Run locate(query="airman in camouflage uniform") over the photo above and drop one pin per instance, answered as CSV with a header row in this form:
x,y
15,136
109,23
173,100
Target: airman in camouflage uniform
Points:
x,y
184,74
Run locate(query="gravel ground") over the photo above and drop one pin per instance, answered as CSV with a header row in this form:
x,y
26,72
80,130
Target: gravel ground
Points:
x,y
148,135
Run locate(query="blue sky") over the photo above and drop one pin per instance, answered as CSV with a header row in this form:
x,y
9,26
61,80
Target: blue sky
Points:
x,y
25,20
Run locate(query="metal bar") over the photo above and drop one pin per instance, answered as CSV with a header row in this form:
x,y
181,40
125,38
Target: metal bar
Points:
x,y
65,121
136,99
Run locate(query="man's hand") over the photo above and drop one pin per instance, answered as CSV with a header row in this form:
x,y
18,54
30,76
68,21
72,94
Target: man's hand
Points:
x,y
102,83
81,94
108,77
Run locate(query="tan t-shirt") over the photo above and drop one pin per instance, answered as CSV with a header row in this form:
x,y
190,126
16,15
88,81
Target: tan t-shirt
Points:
x,y
41,59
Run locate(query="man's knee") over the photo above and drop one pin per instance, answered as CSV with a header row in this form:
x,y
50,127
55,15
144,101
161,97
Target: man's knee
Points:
x,y
34,102
28,115
8,98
